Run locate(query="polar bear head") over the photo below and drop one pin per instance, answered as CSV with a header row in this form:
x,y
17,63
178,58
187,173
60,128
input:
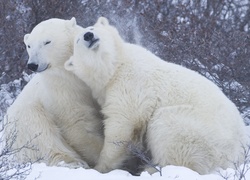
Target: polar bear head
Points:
x,y
50,43
97,50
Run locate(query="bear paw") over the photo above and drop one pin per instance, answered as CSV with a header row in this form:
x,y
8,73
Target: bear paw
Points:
x,y
73,165
102,169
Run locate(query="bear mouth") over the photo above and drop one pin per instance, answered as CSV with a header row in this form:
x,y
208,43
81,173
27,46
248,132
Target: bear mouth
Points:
x,y
43,69
93,42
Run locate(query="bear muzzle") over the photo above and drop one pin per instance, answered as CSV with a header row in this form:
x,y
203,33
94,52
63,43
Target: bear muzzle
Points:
x,y
33,67
38,68
90,39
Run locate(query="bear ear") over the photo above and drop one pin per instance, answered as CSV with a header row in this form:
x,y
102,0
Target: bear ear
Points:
x,y
68,65
73,21
25,38
103,21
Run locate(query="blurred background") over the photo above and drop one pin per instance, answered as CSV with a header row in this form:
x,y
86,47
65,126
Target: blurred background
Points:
x,y
208,36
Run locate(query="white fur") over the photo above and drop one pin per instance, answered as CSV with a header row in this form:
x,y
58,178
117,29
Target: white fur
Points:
x,y
55,104
188,121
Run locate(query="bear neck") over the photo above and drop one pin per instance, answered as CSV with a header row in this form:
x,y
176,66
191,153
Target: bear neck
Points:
x,y
102,81
58,74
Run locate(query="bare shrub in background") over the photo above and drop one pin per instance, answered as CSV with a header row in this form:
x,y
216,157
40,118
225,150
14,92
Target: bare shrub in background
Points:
x,y
240,170
9,168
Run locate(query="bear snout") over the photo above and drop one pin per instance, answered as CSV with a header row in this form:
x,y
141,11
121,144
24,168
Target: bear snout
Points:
x,y
33,67
88,36
90,40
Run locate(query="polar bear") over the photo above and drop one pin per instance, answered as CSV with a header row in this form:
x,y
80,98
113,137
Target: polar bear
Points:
x,y
185,118
55,114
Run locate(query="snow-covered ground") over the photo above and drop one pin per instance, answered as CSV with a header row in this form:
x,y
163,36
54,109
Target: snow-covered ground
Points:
x,y
43,172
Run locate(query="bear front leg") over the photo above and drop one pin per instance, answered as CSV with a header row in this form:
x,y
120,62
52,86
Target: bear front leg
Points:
x,y
118,133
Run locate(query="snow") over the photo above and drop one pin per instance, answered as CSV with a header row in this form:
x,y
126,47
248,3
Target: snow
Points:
x,y
160,17
22,9
43,172
164,33
7,17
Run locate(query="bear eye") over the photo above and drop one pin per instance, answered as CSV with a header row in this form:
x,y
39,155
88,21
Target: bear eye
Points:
x,y
47,42
28,46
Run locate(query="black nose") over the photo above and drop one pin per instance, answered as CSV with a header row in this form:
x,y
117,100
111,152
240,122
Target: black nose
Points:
x,y
32,66
88,36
